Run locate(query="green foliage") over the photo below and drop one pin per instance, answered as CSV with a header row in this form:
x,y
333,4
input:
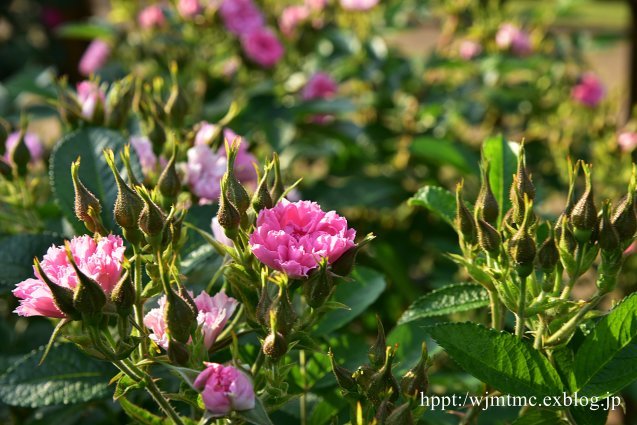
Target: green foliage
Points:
x,y
17,253
438,200
501,157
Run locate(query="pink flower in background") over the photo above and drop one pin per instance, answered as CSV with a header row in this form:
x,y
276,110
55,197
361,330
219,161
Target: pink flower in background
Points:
x,y
294,237
101,260
358,4
151,17
224,389
589,91
291,18
205,133
627,140
262,47
241,16
511,37
95,57
316,5
212,315
91,97
143,147
189,8
319,86
33,142
244,162
219,233
469,49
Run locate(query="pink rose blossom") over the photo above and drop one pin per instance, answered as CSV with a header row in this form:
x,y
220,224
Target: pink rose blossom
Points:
x,y
359,5
262,47
294,237
91,98
151,17
511,37
589,91
213,314
291,18
205,133
224,389
469,49
627,140
33,142
189,8
143,147
219,233
319,86
101,260
241,16
95,57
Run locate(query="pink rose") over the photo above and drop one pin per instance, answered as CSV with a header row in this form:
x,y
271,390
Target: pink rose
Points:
x,y
91,98
469,49
34,145
219,233
319,86
291,18
241,16
511,37
151,17
358,4
262,47
189,8
143,147
627,140
294,237
212,316
224,389
94,58
205,133
101,261
589,91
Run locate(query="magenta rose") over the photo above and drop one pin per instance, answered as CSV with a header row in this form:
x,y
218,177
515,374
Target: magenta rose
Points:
x,y
224,389
151,17
95,57
294,237
262,47
241,16
589,91
101,261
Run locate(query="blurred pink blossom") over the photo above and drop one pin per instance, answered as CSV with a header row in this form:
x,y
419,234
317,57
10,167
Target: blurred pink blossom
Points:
x,y
94,58
241,16
143,147
292,17
589,91
91,97
151,17
189,8
262,47
509,36
627,140
33,142
219,233
319,86
205,133
224,389
358,4
469,49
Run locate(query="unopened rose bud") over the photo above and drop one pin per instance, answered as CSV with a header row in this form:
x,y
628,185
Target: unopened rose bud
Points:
x,y
488,238
607,238
123,295
89,297
567,240
169,183
383,411
285,315
277,187
20,154
548,255
151,219
263,306
624,219
345,264
67,105
522,245
465,222
177,104
486,205
235,192
181,319
376,353
87,206
275,346
62,297
383,384
228,215
416,380
261,198
319,286
119,101
522,187
178,352
344,377
584,213
401,416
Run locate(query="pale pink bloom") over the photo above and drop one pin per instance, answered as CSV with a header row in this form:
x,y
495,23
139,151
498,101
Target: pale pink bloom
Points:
x,y
316,5
319,86
91,98
291,18
219,233
224,389
151,17
33,142
189,8
244,162
241,16
294,237
205,133
212,315
95,57
262,47
627,140
469,49
358,4
101,261
510,37
589,91
143,147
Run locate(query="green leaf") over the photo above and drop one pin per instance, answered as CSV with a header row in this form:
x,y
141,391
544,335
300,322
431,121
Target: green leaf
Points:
x,y
498,358
256,415
67,377
503,159
438,200
540,417
441,152
94,172
85,31
607,359
17,253
447,300
141,415
365,287
584,415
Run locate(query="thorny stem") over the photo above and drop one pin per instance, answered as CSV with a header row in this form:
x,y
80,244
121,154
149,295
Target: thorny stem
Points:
x,y
519,324
569,326
539,333
138,308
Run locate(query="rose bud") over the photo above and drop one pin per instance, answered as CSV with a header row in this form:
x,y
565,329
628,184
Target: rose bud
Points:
x,y
224,389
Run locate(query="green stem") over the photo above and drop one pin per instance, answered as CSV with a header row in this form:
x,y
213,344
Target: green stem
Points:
x,y
303,400
565,331
539,333
138,308
496,310
519,324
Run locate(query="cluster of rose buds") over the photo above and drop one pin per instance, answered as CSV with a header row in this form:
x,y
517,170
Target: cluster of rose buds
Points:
x,y
505,252
374,387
